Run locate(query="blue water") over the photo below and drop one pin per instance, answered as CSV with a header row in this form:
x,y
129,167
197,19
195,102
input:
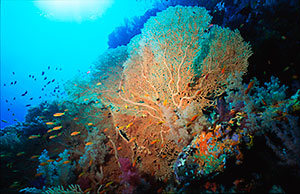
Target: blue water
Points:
x,y
31,42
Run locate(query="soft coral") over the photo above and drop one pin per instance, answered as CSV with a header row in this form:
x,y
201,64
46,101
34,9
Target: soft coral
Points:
x,y
130,175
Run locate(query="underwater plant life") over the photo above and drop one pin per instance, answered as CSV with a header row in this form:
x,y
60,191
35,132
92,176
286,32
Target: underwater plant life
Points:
x,y
170,110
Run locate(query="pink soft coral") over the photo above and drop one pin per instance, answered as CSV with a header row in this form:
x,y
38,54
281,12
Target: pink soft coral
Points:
x,y
130,176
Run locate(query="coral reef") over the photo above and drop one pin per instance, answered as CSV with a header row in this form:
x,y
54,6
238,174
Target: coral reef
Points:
x,y
169,112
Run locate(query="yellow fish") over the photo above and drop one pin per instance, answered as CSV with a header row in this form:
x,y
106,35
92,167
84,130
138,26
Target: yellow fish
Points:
x,y
58,114
165,102
160,122
89,143
81,174
57,128
34,136
107,184
50,123
90,124
123,89
99,83
75,133
87,190
129,125
126,106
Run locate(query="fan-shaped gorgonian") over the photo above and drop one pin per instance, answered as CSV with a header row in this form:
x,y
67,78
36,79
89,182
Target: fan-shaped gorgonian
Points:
x,y
180,59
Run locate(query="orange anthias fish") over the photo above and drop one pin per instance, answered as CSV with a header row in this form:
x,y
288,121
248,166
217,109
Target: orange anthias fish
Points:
x,y
223,70
101,192
34,156
154,141
179,140
89,143
66,162
38,174
194,118
52,136
264,102
58,114
50,123
59,159
119,148
132,139
159,190
198,92
249,87
87,190
75,133
20,153
44,164
50,160
34,136
57,128
107,184
134,162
